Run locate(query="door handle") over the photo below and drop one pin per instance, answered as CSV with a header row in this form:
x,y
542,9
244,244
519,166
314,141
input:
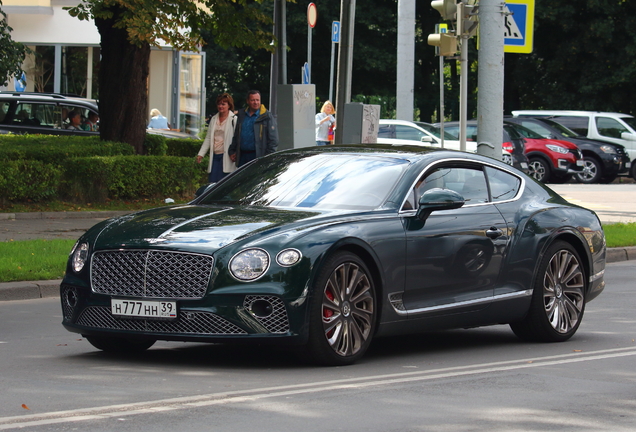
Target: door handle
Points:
x,y
493,233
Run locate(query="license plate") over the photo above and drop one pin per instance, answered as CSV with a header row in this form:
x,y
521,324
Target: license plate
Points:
x,y
524,165
144,308
580,162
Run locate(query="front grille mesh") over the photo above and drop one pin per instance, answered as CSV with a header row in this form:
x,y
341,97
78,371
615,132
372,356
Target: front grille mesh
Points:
x,y
198,323
151,273
277,321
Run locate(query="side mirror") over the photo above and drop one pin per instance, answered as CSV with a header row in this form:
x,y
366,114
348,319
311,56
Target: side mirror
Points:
x,y
426,139
438,199
203,189
628,136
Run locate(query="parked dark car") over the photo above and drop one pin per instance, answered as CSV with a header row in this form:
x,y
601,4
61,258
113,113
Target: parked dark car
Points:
x,y
513,144
604,161
550,160
329,247
45,113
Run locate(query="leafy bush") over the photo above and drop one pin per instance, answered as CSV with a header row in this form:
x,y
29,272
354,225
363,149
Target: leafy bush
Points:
x,y
25,180
183,147
155,145
51,148
94,179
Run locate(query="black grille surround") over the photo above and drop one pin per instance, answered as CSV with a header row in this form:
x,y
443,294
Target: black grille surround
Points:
x,y
151,273
194,323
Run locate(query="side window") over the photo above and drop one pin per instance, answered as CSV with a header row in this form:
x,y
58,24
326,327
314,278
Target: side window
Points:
x,y
503,185
609,127
25,115
408,133
577,124
471,133
386,131
468,182
4,109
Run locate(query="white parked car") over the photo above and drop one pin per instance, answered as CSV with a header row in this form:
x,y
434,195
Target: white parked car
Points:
x,y
610,127
420,133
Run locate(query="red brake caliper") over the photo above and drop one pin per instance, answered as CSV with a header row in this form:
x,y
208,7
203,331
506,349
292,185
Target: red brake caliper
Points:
x,y
326,312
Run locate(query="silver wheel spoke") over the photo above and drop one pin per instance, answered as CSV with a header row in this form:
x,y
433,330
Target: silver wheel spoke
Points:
x,y
348,316
563,286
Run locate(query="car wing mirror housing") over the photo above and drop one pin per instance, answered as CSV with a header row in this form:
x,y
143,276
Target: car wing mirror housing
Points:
x,y
438,199
203,189
426,139
628,136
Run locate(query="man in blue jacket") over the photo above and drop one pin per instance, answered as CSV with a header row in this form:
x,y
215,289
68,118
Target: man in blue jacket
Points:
x,y
256,134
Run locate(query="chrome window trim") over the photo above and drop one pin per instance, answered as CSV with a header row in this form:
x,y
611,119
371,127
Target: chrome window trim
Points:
x,y
467,161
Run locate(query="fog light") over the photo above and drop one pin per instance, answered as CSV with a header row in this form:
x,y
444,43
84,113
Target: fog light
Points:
x,y
261,308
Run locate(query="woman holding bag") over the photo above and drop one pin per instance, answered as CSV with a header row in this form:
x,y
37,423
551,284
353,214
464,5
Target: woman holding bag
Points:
x,y
218,139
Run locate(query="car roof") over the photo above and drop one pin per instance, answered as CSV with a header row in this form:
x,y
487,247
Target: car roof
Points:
x,y
568,113
48,97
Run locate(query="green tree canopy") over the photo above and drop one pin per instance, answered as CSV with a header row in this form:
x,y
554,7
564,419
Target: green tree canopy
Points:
x,y
11,53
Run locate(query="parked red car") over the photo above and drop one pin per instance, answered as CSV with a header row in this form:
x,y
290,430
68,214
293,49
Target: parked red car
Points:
x,y
550,160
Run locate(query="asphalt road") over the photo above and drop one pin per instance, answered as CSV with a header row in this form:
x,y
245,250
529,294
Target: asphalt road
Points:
x,y
462,380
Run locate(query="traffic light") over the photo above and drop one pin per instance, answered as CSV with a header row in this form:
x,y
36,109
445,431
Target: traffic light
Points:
x,y
446,8
447,43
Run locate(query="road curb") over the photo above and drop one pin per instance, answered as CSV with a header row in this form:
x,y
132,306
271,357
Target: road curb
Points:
x,y
51,288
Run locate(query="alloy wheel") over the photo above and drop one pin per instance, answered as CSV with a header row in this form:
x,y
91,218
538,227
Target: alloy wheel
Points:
x,y
563,296
348,309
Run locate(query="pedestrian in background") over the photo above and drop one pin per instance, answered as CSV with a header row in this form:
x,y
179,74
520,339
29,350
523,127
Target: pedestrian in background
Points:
x,y
256,134
218,139
325,123
157,121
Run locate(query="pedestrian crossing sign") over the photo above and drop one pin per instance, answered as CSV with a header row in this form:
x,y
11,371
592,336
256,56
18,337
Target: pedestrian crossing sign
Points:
x,y
518,26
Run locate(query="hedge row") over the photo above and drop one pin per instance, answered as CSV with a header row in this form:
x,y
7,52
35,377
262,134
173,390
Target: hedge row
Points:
x,y
85,169
94,179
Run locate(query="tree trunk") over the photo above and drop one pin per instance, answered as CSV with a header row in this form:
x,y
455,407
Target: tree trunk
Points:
x,y
123,80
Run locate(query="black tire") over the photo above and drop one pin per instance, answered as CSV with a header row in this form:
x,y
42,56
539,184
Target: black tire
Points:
x,y
560,179
632,170
558,300
592,171
539,169
120,345
343,313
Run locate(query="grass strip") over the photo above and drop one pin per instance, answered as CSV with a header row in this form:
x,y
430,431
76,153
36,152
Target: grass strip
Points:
x,y
620,234
32,260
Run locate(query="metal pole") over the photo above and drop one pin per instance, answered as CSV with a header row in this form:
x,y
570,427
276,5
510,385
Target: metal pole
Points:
x,y
345,55
463,89
491,77
333,52
441,98
405,80
309,53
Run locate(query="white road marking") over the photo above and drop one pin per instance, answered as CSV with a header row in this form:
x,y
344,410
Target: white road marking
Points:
x,y
235,397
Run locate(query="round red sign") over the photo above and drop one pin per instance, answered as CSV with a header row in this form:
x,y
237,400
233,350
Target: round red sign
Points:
x,y
312,15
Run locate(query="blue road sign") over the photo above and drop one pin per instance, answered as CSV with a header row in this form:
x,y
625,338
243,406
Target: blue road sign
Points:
x,y
519,26
306,73
335,32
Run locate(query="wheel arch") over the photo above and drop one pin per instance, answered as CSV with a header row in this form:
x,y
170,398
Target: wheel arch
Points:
x,y
574,239
366,254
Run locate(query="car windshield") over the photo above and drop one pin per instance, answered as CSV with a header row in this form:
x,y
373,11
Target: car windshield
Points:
x,y
566,132
435,130
525,132
631,121
311,180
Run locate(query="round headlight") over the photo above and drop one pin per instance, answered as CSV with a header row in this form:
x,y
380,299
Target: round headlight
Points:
x,y
249,264
79,257
288,257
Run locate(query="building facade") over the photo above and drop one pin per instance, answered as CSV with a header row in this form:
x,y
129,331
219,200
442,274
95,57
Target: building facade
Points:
x,y
66,56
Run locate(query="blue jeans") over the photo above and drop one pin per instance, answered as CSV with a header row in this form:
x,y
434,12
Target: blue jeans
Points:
x,y
322,143
217,169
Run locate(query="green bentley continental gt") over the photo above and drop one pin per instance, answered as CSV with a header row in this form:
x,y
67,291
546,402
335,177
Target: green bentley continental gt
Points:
x,y
325,248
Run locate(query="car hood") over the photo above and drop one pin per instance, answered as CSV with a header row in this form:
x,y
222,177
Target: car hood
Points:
x,y
193,228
